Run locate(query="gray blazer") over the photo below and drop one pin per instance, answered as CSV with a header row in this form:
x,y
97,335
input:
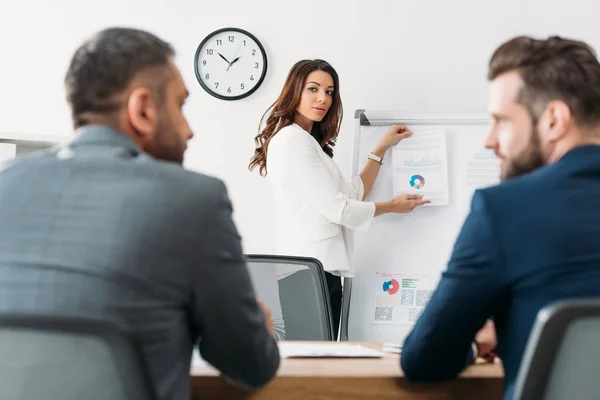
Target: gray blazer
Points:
x,y
98,228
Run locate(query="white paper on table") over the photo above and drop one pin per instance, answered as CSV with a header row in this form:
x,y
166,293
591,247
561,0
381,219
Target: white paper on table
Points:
x,y
302,350
311,350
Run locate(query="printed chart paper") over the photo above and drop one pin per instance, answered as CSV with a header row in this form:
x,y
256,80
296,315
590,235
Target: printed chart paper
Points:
x,y
483,169
401,298
421,167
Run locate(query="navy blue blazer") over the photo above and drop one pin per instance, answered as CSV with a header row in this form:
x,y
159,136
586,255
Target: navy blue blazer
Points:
x,y
527,242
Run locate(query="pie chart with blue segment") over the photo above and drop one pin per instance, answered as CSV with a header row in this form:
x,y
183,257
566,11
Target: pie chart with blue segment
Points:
x,y
417,181
391,286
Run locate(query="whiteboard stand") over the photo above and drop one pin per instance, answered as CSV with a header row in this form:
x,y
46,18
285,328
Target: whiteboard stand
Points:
x,y
417,242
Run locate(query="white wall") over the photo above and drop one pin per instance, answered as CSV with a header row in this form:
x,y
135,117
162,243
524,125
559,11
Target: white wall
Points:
x,y
414,55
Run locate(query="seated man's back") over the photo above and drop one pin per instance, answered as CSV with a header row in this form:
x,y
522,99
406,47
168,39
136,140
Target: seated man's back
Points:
x,y
535,238
543,236
100,228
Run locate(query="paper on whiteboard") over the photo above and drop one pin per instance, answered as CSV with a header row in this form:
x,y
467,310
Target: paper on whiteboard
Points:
x,y
401,298
483,169
421,167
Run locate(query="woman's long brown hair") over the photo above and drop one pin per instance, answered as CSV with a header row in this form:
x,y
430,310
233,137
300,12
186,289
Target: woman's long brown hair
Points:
x,y
284,109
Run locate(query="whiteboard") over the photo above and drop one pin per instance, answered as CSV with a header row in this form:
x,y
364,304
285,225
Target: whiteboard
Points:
x,y
419,242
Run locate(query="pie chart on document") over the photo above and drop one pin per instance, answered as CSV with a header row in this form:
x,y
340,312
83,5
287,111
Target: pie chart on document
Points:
x,y
417,181
391,286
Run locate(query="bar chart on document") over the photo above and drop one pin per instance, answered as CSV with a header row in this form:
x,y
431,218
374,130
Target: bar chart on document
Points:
x,y
420,166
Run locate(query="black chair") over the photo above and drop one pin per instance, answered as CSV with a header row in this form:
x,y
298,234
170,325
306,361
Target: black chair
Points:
x,y
561,358
295,289
69,358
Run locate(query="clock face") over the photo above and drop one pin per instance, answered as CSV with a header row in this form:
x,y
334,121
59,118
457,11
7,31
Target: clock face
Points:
x,y
230,64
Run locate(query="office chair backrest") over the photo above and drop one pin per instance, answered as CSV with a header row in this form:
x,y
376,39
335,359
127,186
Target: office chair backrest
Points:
x,y
561,358
69,358
295,289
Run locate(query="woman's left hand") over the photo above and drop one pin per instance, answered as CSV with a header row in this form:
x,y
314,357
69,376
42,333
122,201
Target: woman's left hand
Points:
x,y
392,136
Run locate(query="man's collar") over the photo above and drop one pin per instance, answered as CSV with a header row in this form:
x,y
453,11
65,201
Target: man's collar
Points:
x,y
102,135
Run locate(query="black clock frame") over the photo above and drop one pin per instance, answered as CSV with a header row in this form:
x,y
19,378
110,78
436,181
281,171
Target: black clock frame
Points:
x,y
199,77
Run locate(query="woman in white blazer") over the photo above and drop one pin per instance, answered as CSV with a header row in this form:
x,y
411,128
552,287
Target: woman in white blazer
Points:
x,y
316,209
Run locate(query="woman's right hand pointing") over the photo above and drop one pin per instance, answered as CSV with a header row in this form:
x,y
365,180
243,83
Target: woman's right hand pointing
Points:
x,y
403,203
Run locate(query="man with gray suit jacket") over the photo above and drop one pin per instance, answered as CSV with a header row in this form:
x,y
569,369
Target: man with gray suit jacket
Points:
x,y
111,226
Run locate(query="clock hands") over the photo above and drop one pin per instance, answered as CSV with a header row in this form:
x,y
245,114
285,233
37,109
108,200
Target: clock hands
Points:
x,y
227,61
233,62
221,55
237,51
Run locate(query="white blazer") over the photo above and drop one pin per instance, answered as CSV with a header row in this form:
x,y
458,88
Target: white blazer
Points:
x,y
316,210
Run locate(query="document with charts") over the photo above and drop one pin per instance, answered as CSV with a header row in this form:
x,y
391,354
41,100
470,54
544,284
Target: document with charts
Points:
x,y
401,298
483,169
420,166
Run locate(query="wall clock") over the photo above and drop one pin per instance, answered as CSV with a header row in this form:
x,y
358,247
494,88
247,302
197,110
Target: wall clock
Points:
x,y
230,64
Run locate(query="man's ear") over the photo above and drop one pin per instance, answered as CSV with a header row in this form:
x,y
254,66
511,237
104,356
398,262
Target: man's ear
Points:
x,y
554,121
143,114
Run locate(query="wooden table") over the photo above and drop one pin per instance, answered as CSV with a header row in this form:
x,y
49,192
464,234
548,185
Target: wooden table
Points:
x,y
379,378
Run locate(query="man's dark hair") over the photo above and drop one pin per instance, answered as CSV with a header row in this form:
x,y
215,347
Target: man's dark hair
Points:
x,y
107,63
552,69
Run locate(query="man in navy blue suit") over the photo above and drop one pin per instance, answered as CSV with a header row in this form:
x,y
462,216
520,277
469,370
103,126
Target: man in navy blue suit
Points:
x,y
535,238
